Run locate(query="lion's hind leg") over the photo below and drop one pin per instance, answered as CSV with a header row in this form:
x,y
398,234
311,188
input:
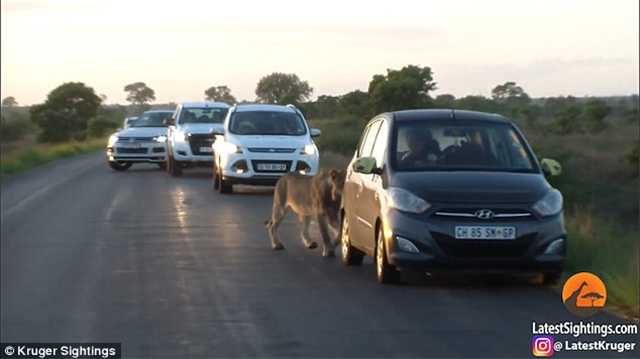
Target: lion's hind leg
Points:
x,y
306,238
328,249
272,226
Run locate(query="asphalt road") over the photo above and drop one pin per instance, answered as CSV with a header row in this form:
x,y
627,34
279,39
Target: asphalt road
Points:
x,y
172,269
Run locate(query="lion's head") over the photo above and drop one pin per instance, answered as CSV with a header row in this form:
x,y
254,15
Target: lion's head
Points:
x,y
336,180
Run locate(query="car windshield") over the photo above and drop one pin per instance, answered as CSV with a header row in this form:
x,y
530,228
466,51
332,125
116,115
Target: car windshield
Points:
x,y
267,123
202,115
424,146
151,119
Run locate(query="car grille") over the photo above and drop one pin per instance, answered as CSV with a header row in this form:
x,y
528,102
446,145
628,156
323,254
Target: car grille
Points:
x,y
131,150
200,140
471,214
158,150
255,163
271,150
483,248
135,139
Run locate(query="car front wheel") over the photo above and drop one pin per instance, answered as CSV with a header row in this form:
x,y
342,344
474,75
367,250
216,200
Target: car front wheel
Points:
x,y
120,166
350,256
385,272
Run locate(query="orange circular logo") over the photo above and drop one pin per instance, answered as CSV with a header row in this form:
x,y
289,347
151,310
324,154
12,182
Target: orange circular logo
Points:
x,y
584,294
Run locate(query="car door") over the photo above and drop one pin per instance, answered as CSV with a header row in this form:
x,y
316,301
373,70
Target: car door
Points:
x,y
359,226
369,203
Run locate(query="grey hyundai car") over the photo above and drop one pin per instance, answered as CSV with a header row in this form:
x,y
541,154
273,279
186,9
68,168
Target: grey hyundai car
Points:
x,y
433,190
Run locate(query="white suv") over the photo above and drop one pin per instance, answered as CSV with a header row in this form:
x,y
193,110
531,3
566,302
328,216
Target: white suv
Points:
x,y
260,144
142,141
191,132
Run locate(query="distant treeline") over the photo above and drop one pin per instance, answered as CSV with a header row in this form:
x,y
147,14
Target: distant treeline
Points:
x,y
73,111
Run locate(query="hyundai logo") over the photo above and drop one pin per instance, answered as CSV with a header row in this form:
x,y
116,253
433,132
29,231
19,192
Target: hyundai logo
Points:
x,y
484,214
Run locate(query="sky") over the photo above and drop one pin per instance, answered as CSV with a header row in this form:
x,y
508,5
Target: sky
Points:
x,y
180,48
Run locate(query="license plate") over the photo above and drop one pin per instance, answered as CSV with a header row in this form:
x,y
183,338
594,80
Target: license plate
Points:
x,y
485,232
129,145
272,167
206,149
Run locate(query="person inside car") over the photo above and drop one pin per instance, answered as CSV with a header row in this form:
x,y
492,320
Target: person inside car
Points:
x,y
423,149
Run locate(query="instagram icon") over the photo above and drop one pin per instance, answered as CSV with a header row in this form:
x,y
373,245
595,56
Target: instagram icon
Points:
x,y
542,346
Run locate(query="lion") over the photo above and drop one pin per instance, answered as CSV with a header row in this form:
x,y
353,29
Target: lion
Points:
x,y
316,197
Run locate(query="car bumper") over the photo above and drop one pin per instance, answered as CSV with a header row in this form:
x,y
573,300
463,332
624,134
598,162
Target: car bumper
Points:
x,y
438,250
156,152
242,168
182,152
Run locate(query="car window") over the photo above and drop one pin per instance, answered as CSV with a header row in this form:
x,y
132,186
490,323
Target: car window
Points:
x,y
151,119
368,141
487,146
267,123
380,144
202,115
363,137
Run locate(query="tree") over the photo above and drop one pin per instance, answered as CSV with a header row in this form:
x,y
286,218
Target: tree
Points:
x,y
65,113
445,101
568,120
9,102
283,88
594,112
476,103
531,115
139,93
401,89
219,93
355,103
511,97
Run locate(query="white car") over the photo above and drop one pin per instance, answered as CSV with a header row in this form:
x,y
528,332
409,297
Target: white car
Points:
x,y
261,143
143,141
191,132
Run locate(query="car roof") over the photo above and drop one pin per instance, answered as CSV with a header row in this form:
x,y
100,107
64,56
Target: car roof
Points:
x,y
264,107
156,111
439,114
204,104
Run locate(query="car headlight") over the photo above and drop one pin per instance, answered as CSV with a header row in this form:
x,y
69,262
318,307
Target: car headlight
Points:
x,y
405,201
309,149
229,147
112,139
405,245
160,138
550,204
180,136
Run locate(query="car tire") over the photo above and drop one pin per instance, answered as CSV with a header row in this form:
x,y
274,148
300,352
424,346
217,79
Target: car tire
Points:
x,y
349,255
385,272
120,166
224,187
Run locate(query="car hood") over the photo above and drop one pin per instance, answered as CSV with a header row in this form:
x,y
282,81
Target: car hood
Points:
x,y
473,187
270,141
142,131
200,128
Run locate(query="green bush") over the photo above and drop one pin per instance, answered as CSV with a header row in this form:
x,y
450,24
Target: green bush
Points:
x,y
101,126
14,126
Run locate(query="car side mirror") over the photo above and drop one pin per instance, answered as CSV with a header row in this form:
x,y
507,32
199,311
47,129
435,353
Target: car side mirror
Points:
x,y
169,121
366,165
315,132
550,167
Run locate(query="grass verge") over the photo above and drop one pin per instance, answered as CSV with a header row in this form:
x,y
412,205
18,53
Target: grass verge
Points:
x,y
26,157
